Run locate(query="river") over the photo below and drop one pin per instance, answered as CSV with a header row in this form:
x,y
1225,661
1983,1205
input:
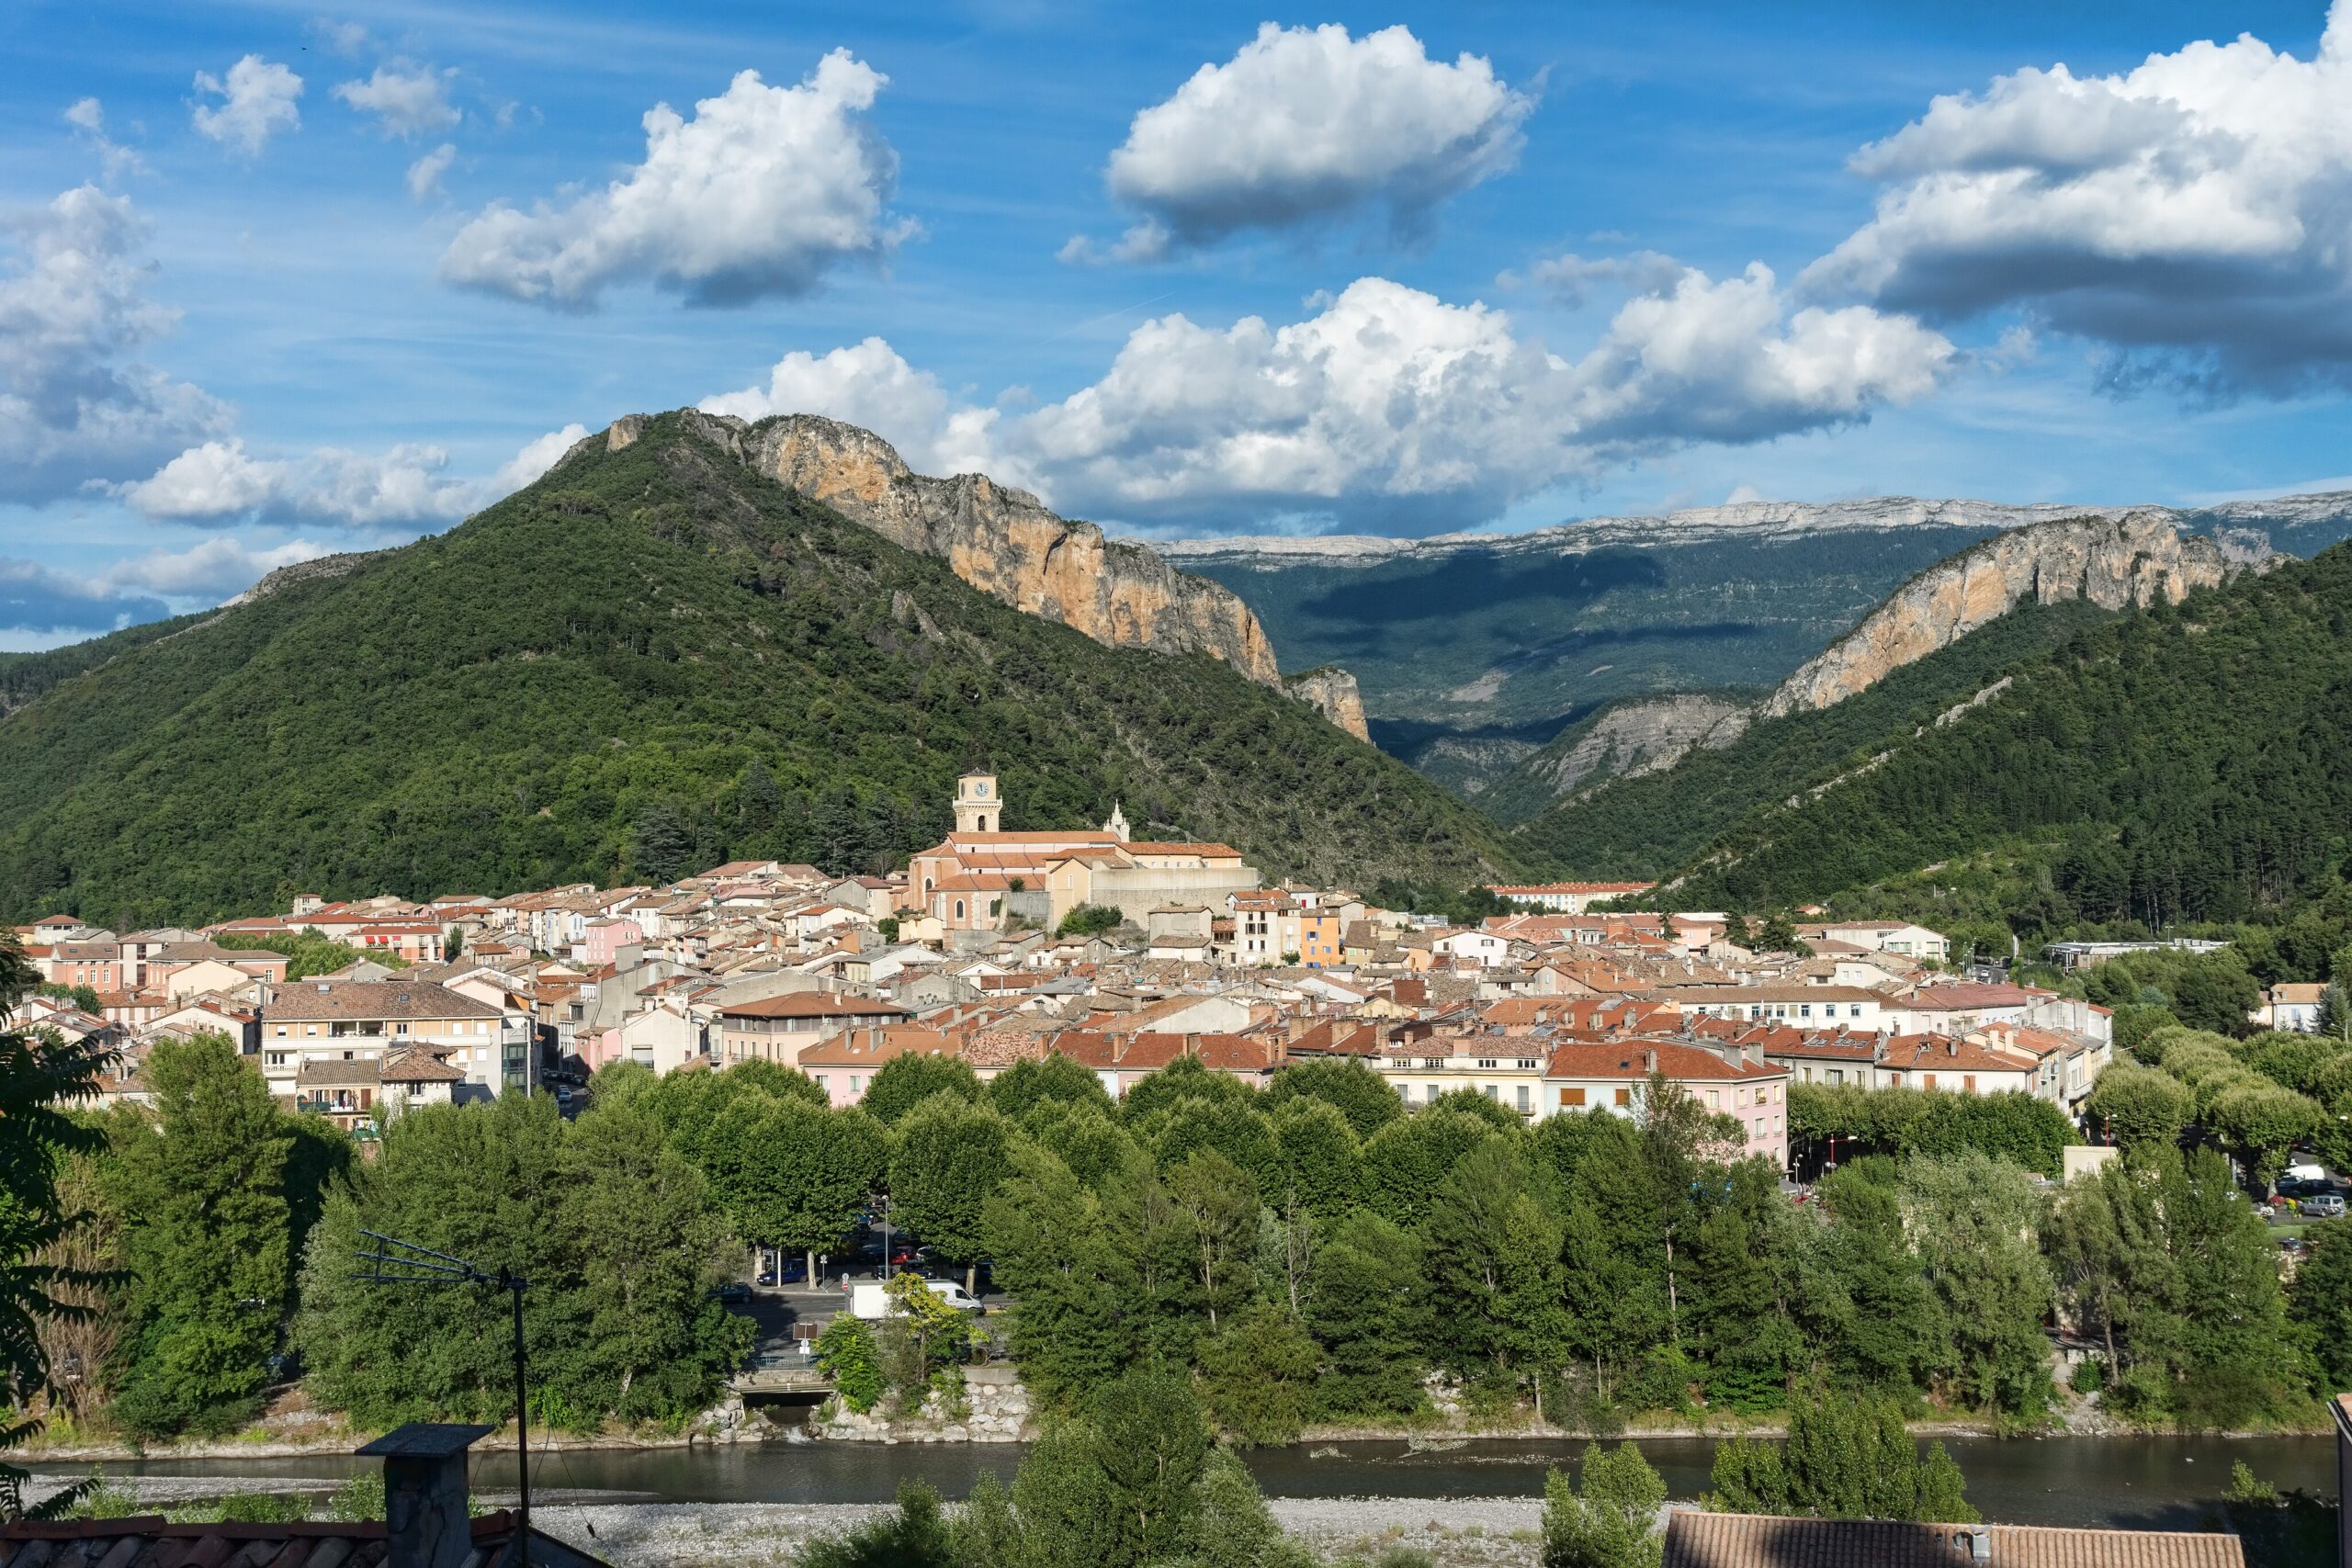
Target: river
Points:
x,y
2160,1483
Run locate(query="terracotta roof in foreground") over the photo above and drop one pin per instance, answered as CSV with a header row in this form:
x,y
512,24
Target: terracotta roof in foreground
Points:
x,y
1695,1539
148,1541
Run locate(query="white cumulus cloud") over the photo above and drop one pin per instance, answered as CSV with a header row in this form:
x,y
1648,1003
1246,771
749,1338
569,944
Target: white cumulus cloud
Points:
x,y
89,116
74,404
871,386
537,455
257,100
762,193
403,487
1388,408
1307,125
424,174
405,99
2191,213
212,569
1394,408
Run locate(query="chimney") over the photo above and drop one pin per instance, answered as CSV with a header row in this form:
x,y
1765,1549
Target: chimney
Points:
x,y
1649,1061
1977,1541
425,1492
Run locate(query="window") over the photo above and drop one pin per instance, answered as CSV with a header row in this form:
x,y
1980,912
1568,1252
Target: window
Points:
x,y
1523,1104
1968,1082
1929,1081
1854,1011
1804,1009
1527,1064
853,1085
959,908
1571,1097
820,1081
1485,1064
1833,1075
1624,1096
1494,1092
1714,1100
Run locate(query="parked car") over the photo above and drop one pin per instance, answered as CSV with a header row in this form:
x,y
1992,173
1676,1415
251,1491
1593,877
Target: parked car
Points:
x,y
2324,1206
2290,1244
733,1290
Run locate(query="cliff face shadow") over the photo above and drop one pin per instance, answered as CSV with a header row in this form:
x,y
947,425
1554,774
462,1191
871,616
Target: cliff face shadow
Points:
x,y
1474,583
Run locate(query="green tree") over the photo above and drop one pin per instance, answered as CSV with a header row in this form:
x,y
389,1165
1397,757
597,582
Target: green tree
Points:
x,y
1057,1251
847,1354
1610,1519
1232,1527
650,1247
1088,919
1369,1309
1972,1222
796,1176
1061,1496
916,1534
908,1079
1218,1207
1405,1161
2319,1302
1368,1101
1776,934
1152,1444
659,843
2136,1105
948,1158
1050,1077
39,1075
1257,1374
200,1184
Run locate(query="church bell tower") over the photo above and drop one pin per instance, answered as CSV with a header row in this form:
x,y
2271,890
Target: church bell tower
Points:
x,y
976,806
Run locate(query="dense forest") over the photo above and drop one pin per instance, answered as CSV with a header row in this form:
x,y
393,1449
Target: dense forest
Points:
x,y
2177,765
1650,825
648,662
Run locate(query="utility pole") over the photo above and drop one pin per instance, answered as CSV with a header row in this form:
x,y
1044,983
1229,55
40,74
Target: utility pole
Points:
x,y
397,1262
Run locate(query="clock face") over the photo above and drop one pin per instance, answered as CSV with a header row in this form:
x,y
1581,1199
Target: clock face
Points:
x,y
983,789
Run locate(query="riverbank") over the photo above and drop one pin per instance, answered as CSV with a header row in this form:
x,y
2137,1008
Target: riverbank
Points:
x,y
1457,1532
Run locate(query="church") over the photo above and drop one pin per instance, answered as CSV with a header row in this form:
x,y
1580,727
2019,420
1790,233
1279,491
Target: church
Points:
x,y
980,876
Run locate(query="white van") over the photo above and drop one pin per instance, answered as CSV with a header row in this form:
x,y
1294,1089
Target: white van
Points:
x,y
872,1302
2305,1173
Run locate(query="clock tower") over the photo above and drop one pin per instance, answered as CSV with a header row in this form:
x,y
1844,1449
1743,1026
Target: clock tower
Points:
x,y
978,811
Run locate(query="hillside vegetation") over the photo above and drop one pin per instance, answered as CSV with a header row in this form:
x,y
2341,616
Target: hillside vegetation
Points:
x,y
649,662
2178,764
1648,825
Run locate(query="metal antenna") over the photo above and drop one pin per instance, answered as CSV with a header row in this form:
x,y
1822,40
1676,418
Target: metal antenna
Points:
x,y
397,1262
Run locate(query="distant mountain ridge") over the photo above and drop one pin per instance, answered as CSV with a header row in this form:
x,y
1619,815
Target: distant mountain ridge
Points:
x,y
1473,651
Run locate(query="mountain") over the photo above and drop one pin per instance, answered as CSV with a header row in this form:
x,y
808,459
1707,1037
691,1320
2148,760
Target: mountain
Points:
x,y
2175,763
2112,562
1472,650
659,657
1643,788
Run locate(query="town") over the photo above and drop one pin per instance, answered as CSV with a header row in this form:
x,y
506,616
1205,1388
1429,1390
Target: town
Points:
x,y
996,948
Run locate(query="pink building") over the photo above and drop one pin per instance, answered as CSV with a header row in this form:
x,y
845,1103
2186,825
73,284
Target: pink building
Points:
x,y
844,1065
1612,1077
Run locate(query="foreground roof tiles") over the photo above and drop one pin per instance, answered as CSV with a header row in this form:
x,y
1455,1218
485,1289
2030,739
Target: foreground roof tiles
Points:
x,y
1695,1539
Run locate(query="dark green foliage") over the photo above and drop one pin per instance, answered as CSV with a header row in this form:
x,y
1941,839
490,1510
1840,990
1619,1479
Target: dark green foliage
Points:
x,y
1089,920
914,1536
1368,1101
949,1155
1844,1458
1654,823
2161,1258
1258,1375
1057,1250
909,1079
1370,1311
2319,1300
1050,1077
1185,1078
200,1183
611,1226
2222,798
577,682
846,1352
308,952
1610,1519
2133,1105
1151,1443
2016,1127
2296,1530
39,1075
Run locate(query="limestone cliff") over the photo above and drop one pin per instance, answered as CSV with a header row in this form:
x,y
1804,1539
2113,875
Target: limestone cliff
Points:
x,y
1001,540
2113,561
1642,737
1332,693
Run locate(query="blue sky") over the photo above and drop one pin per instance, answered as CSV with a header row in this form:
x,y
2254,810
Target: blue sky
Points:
x,y
1501,262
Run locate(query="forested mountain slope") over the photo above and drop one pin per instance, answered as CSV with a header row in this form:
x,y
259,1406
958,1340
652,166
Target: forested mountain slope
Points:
x,y
651,659
1648,825
2177,763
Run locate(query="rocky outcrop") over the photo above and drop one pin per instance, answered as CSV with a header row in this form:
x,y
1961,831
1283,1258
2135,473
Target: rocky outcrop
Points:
x,y
1332,693
2116,562
1001,540
1637,738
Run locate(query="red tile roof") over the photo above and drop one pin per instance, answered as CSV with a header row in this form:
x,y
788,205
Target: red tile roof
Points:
x,y
1695,1539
